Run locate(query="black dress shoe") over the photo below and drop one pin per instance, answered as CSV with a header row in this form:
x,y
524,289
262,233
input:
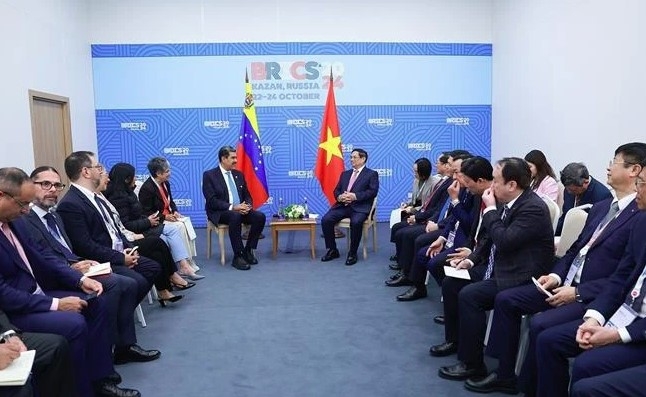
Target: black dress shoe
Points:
x,y
249,257
401,281
114,378
394,266
443,349
438,320
352,259
240,263
413,294
462,371
332,253
396,276
134,353
107,389
492,384
393,258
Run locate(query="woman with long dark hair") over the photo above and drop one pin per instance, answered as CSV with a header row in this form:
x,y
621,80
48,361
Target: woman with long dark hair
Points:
x,y
543,178
121,194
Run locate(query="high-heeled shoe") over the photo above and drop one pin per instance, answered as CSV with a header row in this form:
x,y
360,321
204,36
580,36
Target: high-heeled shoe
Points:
x,y
189,284
164,301
192,277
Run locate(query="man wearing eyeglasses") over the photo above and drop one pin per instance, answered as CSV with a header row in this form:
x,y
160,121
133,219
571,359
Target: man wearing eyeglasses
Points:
x,y
91,229
120,291
39,293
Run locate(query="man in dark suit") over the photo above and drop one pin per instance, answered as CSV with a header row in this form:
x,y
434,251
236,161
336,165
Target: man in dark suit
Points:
x,y
52,368
577,278
41,294
92,231
423,227
355,192
613,332
625,382
120,292
229,202
473,179
580,189
520,245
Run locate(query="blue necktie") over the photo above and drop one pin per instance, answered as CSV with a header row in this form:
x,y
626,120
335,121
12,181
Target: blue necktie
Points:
x,y
235,197
53,229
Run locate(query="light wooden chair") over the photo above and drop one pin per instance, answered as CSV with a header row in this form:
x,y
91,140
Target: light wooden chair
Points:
x,y
221,230
369,223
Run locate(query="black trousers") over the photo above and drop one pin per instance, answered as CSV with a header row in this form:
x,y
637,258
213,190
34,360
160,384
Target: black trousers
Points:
x,y
52,369
235,220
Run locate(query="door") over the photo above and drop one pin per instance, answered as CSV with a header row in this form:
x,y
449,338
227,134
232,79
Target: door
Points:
x,y
50,130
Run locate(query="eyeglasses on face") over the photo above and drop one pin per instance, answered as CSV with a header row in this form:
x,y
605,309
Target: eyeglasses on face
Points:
x,y
639,184
613,161
99,167
46,185
24,205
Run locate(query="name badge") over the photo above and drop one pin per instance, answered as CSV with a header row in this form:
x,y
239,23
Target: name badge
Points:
x,y
574,268
451,238
623,317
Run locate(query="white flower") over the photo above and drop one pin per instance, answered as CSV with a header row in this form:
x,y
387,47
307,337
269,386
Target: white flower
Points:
x,y
294,211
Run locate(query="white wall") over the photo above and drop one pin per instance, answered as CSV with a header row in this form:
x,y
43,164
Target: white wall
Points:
x,y
45,47
568,78
186,21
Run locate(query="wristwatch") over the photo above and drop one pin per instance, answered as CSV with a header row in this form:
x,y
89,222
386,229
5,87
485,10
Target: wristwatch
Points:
x,y
577,297
4,338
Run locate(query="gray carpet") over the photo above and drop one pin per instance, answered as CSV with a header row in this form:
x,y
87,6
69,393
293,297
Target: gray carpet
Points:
x,y
293,327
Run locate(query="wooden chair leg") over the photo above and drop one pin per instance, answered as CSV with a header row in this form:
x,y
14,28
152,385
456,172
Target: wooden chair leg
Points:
x,y
208,241
221,242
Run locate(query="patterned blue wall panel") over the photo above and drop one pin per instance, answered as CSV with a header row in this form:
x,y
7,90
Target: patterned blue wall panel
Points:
x,y
394,137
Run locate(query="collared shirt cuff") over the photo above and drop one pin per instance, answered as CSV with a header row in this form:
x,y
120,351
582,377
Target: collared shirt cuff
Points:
x,y
455,202
231,207
490,208
624,335
557,277
596,315
443,239
54,305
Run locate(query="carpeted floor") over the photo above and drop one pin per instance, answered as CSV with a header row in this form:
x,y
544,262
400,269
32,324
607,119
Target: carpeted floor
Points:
x,y
293,327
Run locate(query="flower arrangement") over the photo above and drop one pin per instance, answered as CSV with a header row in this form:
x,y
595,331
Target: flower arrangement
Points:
x,y
294,211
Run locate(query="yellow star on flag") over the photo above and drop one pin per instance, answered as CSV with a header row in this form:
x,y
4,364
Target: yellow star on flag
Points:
x,y
331,146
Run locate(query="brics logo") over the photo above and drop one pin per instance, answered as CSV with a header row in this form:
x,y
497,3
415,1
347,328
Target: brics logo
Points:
x,y
347,148
183,202
296,70
380,122
421,146
457,120
266,149
301,174
134,126
300,123
177,151
384,171
216,124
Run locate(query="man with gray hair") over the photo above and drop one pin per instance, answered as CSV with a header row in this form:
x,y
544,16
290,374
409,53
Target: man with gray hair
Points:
x,y
580,189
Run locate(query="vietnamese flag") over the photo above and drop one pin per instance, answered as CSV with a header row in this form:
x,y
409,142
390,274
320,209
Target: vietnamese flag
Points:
x,y
329,160
250,160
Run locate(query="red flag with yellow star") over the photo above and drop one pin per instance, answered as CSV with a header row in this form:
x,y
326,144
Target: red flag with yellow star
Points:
x,y
329,161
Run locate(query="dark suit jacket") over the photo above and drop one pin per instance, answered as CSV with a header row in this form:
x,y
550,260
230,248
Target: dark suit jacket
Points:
x,y
604,254
16,281
466,212
151,199
622,281
595,192
440,195
365,188
40,234
216,193
524,241
131,214
86,229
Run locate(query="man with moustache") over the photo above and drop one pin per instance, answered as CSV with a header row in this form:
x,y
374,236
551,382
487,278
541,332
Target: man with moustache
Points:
x,y
120,292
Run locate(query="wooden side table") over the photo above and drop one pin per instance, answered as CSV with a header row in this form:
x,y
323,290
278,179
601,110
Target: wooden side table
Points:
x,y
278,225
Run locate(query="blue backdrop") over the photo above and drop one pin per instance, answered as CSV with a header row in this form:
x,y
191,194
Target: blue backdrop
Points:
x,y
399,101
